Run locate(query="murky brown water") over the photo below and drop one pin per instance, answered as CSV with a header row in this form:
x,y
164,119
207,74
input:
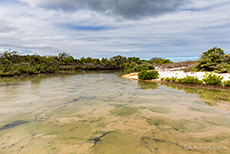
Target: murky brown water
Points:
x,y
96,113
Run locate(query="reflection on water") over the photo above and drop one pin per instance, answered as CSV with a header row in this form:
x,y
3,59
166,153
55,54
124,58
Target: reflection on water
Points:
x,y
147,85
210,96
102,113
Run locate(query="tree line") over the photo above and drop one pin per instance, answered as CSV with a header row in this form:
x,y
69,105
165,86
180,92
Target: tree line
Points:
x,y
12,63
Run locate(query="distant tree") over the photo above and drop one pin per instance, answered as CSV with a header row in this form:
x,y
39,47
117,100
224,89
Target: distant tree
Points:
x,y
96,61
118,61
158,60
65,58
133,59
62,56
68,60
143,66
82,60
104,60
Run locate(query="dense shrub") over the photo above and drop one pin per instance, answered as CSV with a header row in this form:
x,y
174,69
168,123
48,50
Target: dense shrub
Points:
x,y
90,66
143,66
209,79
223,67
77,67
158,60
227,83
118,61
11,63
187,79
190,80
214,60
145,75
213,79
14,64
173,79
168,79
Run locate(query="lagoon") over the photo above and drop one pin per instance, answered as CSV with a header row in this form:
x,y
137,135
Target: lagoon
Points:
x,y
96,113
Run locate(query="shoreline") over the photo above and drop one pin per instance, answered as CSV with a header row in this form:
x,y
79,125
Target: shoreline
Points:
x,y
177,72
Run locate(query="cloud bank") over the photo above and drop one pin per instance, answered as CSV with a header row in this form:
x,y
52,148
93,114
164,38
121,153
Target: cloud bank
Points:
x,y
127,9
44,28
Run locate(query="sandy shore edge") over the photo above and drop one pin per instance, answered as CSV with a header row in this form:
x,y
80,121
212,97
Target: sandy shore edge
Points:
x,y
176,72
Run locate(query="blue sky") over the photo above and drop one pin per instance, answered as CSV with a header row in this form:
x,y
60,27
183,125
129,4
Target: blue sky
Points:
x,y
150,28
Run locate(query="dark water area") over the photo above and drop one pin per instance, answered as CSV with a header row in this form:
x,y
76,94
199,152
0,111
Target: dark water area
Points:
x,y
96,113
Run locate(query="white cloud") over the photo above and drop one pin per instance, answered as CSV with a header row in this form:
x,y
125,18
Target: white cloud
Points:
x,y
189,32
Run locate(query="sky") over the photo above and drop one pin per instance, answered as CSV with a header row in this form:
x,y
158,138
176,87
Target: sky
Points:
x,y
105,28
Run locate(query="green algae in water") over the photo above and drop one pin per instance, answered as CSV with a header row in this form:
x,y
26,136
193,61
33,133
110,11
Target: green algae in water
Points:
x,y
217,121
124,110
160,109
180,125
107,117
70,133
130,142
13,124
191,126
119,143
198,110
157,121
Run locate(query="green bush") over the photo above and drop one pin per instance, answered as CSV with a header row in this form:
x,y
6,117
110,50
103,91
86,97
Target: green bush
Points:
x,y
158,60
227,83
222,68
145,75
213,79
167,79
143,66
214,60
173,79
190,80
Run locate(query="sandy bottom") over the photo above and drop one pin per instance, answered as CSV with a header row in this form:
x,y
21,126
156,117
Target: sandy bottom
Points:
x,y
106,114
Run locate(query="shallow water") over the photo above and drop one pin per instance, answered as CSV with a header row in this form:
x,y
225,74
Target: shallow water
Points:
x,y
96,113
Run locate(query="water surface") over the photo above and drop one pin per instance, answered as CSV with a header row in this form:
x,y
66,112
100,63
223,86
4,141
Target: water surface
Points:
x,y
96,113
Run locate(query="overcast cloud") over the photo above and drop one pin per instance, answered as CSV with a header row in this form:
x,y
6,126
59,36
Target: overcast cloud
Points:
x,y
129,9
146,28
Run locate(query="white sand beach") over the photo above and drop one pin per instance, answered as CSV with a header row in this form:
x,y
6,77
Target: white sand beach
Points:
x,y
176,72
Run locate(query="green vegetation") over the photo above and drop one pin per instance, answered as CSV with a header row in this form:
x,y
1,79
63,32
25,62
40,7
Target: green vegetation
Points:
x,y
124,110
209,79
187,79
213,79
190,80
227,83
145,75
173,79
214,60
159,109
143,66
211,95
147,85
157,60
12,63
